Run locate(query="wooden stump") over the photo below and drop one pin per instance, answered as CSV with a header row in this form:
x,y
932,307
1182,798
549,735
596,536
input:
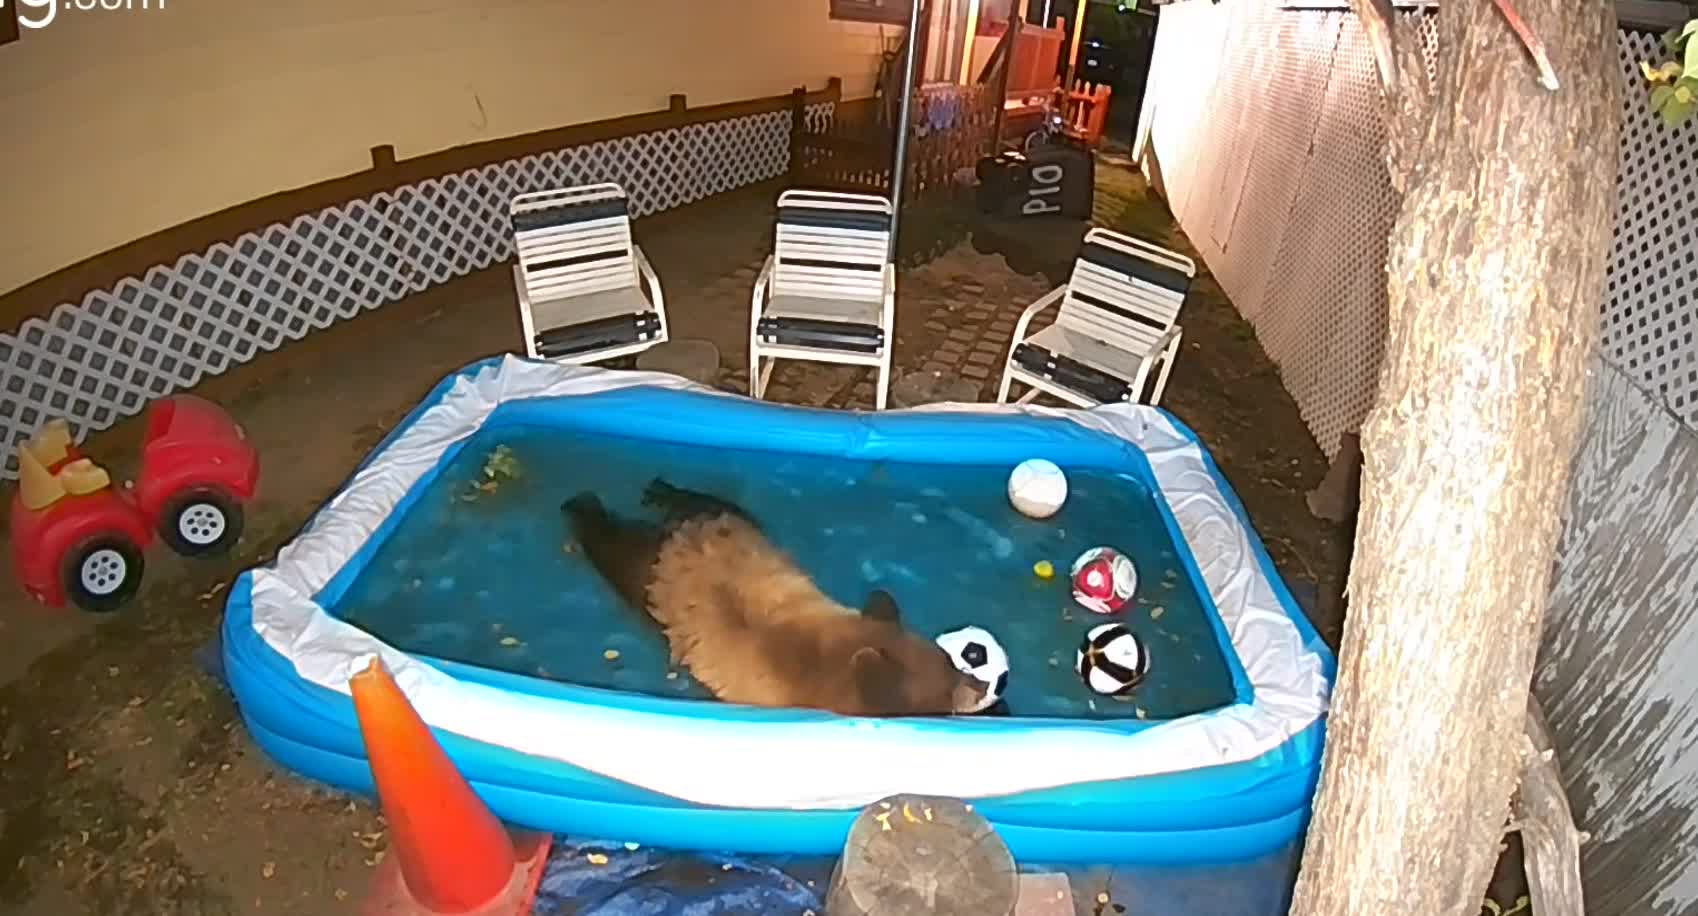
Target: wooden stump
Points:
x,y
920,854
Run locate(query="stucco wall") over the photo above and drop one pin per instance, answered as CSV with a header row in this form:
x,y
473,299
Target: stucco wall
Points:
x,y
119,123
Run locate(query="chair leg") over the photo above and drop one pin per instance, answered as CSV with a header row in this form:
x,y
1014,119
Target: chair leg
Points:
x,y
754,371
882,395
1167,359
1136,395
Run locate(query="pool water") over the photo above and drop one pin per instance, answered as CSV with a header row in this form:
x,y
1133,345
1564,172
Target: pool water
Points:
x,y
480,570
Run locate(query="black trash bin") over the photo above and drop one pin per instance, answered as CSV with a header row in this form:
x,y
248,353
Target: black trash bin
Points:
x,y
1047,181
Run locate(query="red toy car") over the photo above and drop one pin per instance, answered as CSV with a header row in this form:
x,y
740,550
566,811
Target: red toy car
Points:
x,y
76,536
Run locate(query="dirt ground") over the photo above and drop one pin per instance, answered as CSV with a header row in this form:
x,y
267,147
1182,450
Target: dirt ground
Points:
x,y
130,785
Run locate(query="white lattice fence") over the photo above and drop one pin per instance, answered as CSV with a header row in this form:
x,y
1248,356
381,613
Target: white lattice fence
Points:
x,y
1273,161
102,359
1652,313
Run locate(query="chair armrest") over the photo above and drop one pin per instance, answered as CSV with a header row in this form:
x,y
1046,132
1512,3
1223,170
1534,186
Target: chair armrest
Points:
x,y
527,324
1161,343
888,320
763,283
1048,300
646,271
519,284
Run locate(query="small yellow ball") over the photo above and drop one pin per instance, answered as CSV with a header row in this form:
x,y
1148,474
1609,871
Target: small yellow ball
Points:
x,y
1044,568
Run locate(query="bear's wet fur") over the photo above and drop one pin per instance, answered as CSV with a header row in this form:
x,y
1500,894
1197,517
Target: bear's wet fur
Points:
x,y
750,625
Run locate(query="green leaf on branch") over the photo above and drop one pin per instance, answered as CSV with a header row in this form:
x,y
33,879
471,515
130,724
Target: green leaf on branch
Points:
x,y
1673,37
1681,100
1660,98
1692,51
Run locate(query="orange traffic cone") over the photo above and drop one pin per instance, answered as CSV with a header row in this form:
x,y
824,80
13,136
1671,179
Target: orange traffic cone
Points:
x,y
447,854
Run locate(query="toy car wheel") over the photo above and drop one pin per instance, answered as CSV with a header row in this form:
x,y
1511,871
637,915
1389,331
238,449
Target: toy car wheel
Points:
x,y
201,521
103,573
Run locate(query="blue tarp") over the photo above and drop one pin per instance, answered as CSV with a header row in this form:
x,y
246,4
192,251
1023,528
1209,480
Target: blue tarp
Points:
x,y
647,882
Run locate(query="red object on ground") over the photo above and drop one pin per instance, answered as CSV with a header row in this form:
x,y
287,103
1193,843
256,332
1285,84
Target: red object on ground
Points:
x,y
43,540
192,442
197,471
448,854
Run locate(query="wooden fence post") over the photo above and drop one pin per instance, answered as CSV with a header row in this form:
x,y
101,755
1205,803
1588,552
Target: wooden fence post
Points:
x,y
798,123
383,157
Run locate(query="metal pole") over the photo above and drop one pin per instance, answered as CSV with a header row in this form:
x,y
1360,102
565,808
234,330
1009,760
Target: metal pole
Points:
x,y
1010,39
1073,58
899,159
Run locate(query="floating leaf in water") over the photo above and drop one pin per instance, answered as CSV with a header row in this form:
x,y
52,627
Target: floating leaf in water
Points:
x,y
596,858
501,465
1139,711
1156,612
611,655
510,641
672,675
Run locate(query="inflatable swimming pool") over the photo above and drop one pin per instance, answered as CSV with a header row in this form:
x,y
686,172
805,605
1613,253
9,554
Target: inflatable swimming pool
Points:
x,y
1224,784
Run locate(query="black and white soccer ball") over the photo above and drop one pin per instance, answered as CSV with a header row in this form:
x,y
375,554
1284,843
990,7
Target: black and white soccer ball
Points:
x,y
975,651
1111,660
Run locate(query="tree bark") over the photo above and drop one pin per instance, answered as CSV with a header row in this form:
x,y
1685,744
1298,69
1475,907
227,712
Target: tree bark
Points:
x,y
1496,270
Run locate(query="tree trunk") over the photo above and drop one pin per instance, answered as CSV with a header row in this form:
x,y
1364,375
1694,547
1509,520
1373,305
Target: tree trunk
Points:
x,y
1496,267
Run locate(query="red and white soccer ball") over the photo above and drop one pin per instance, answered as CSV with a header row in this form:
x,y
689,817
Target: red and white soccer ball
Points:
x,y
1104,580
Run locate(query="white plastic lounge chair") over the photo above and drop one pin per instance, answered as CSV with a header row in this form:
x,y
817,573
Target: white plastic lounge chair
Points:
x,y
1118,319
827,293
580,278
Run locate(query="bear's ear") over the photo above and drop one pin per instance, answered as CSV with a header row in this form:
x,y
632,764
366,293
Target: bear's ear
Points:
x,y
878,680
880,606
870,661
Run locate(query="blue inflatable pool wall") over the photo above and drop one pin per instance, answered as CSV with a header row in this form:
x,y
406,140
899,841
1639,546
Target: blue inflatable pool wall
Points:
x,y
1232,810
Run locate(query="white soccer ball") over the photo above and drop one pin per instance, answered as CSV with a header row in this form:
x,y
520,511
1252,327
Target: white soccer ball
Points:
x,y
1037,488
976,652
1111,660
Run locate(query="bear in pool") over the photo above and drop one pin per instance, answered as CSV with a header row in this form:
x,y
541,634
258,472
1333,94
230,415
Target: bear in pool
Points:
x,y
751,626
